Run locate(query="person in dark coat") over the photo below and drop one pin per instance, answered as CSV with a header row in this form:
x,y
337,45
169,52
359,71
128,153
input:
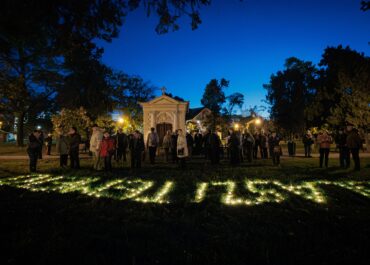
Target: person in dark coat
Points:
x,y
74,144
274,144
256,145
344,153
213,147
354,143
234,148
205,145
198,139
263,145
190,143
136,146
122,143
248,143
49,142
174,147
33,149
307,142
41,139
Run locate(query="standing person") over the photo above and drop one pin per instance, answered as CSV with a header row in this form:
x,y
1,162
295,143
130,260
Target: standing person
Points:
x,y
275,146
62,149
307,142
256,145
49,142
190,143
205,147
41,139
152,144
234,146
248,143
33,149
95,142
324,140
354,143
136,146
214,148
174,147
182,148
263,145
74,144
167,145
198,139
121,144
344,153
108,146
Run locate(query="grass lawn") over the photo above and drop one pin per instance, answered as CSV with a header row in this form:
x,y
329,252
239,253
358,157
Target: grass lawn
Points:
x,y
95,224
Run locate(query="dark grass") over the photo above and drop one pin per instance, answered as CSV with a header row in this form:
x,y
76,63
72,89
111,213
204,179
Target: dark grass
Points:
x,y
51,228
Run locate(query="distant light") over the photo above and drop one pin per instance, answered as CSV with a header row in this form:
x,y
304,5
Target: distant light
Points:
x,y
258,121
38,127
198,121
236,126
121,120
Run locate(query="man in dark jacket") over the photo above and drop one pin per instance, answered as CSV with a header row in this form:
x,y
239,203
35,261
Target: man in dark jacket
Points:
x,y
74,147
248,142
234,147
136,146
122,143
33,149
198,139
213,147
344,153
354,143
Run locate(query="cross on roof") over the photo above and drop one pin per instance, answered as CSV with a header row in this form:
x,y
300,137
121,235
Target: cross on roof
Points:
x,y
163,90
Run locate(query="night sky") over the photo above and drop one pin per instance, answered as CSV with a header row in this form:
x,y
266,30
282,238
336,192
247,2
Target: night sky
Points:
x,y
244,42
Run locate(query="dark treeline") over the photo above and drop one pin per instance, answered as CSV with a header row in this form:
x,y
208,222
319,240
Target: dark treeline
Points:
x,y
49,58
329,95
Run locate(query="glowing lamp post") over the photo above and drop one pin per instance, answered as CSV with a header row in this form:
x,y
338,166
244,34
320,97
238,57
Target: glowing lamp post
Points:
x,y
121,121
258,121
236,126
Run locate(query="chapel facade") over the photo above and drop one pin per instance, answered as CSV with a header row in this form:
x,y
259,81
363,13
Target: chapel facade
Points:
x,y
164,113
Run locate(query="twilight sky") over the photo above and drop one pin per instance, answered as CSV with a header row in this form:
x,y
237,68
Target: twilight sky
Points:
x,y
244,42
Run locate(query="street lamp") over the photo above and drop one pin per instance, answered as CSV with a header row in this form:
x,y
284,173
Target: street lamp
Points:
x,y
38,127
258,121
121,120
236,126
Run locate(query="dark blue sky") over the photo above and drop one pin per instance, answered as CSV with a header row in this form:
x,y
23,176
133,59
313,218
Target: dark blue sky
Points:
x,y
244,42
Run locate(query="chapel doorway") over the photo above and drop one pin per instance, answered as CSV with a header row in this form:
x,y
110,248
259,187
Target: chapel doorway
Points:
x,y
162,128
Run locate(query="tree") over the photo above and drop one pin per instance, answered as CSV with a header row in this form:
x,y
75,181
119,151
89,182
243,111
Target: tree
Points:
x,y
348,74
68,118
365,5
214,97
36,37
128,92
87,84
289,93
235,99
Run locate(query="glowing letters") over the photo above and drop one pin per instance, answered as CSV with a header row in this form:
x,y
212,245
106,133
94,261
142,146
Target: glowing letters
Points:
x,y
254,192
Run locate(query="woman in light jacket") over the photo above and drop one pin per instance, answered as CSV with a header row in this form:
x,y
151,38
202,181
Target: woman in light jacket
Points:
x,y
324,140
182,148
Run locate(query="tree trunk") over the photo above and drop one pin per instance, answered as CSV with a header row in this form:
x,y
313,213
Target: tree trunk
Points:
x,y
20,127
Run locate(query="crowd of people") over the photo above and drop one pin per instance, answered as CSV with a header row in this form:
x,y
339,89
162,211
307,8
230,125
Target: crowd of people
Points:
x,y
178,147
